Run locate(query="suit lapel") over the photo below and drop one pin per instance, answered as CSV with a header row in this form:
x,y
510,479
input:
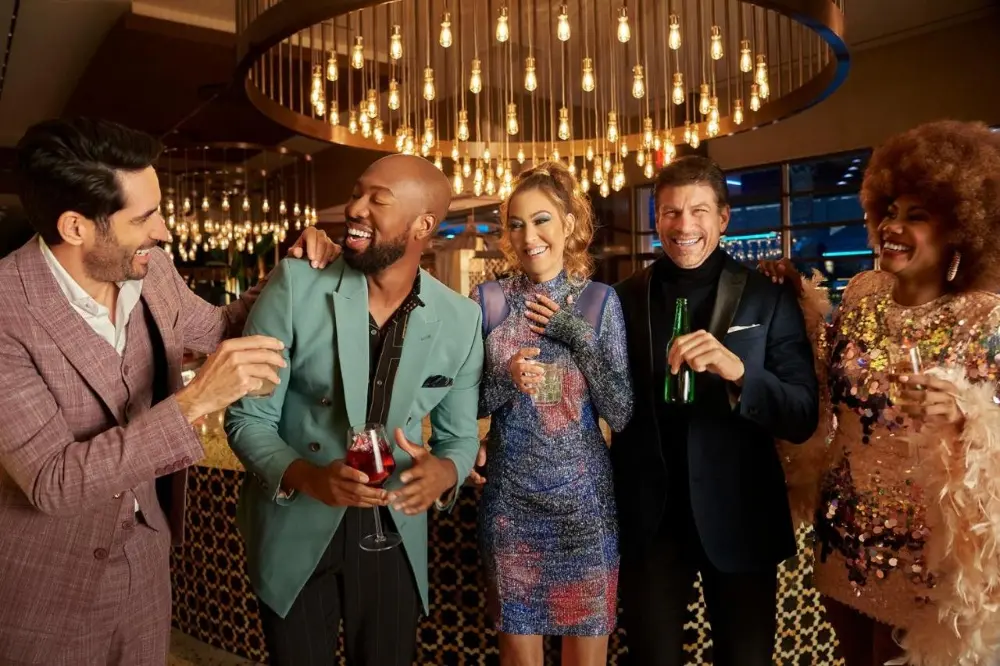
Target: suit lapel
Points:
x,y
727,298
94,359
421,331
152,296
350,311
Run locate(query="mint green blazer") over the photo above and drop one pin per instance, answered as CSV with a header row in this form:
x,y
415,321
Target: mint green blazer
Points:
x,y
322,317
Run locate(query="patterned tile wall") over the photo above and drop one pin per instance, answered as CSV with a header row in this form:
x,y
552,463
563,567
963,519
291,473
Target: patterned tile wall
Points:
x,y
213,601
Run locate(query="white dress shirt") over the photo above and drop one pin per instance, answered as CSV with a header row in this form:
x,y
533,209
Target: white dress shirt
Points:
x,y
97,316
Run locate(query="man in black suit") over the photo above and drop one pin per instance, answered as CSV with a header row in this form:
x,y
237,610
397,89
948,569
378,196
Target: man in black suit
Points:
x,y
699,486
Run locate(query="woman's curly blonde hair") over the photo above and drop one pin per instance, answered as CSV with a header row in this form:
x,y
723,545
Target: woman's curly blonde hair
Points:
x,y
953,167
555,180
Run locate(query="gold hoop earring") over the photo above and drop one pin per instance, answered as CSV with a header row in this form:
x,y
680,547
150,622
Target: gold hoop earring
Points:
x,y
956,259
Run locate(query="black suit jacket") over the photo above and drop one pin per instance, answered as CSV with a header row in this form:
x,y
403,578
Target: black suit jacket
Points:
x,y
737,486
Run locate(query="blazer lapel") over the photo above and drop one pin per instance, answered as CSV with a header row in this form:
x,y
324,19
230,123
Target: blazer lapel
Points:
x,y
421,331
152,296
350,312
94,359
727,298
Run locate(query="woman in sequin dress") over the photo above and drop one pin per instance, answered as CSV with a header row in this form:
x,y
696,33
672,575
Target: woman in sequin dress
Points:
x,y
907,515
549,536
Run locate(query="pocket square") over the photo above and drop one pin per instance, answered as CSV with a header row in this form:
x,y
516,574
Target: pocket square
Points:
x,y
437,381
737,329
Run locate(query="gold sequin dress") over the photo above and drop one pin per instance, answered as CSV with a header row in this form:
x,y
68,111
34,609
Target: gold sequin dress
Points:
x,y
908,518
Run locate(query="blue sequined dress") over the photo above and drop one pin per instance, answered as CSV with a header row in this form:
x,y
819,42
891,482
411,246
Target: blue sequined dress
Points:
x,y
548,530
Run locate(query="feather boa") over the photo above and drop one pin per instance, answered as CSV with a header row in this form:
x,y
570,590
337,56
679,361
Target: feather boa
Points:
x,y
961,476
804,463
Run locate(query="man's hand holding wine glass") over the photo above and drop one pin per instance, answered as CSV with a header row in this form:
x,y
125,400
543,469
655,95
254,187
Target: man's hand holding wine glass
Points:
x,y
427,480
337,484
702,352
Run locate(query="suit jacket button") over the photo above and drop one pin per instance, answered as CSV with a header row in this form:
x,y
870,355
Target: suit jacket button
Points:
x,y
185,461
118,495
314,446
325,401
100,554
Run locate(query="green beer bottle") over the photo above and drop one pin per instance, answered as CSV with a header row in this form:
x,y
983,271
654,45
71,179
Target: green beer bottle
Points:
x,y
679,388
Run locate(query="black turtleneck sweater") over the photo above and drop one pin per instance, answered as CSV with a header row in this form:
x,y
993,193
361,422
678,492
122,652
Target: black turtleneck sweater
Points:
x,y
699,286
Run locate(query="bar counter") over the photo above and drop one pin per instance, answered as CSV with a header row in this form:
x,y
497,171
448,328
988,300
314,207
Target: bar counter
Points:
x,y
214,603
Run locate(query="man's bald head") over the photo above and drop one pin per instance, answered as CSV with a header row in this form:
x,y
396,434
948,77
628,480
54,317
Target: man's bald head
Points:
x,y
419,179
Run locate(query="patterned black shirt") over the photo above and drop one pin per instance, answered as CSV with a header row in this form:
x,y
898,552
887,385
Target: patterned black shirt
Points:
x,y
386,349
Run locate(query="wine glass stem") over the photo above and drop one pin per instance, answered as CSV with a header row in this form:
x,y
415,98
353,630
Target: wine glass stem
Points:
x,y
379,536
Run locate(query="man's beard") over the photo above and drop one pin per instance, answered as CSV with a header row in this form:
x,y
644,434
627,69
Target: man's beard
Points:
x,y
378,256
110,262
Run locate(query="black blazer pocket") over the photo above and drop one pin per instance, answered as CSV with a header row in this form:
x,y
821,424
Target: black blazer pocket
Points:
x,y
437,381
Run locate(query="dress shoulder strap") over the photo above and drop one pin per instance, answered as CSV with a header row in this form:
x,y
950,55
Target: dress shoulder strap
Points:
x,y
592,302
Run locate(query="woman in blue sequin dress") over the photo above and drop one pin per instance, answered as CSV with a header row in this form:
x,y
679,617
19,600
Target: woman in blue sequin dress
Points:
x,y
549,536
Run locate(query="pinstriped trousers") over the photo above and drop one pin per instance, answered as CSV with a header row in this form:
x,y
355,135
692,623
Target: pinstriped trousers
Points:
x,y
374,594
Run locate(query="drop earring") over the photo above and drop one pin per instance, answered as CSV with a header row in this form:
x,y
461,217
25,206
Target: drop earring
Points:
x,y
956,259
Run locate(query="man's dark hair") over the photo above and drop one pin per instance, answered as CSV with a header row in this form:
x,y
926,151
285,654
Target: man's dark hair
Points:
x,y
693,170
72,165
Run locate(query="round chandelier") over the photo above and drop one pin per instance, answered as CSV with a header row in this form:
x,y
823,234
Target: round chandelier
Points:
x,y
482,87
234,198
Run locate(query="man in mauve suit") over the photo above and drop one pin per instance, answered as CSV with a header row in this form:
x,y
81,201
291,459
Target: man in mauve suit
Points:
x,y
97,428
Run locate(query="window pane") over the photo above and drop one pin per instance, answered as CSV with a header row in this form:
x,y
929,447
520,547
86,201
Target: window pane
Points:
x,y
753,183
828,173
809,209
755,217
831,242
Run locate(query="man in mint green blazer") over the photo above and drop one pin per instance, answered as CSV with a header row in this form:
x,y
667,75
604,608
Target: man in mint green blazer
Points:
x,y
372,338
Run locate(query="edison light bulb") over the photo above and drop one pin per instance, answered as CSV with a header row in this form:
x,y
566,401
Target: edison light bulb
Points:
x,y
396,43
246,204
530,78
463,125
703,99
588,83
282,207
562,29
572,167
466,167
760,76
429,84
555,154
647,132
331,67
713,109
457,182
352,122
445,38
607,164
713,127
765,90
695,139
738,112
454,153
605,189
366,122
584,181
379,131
657,143
623,149
687,131
429,131
649,170
624,34
716,43
746,61
491,185
225,202
476,78
589,154
503,30
612,132
754,97
437,161
638,82
640,158
520,155
674,36
512,127
358,53
372,107
393,94
678,92
669,151
564,132
486,154
598,173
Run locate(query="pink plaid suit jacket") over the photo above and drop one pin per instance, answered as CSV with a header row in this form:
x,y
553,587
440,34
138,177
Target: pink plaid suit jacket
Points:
x,y
71,453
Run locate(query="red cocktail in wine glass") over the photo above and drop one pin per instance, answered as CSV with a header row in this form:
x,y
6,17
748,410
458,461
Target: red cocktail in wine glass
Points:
x,y
370,452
